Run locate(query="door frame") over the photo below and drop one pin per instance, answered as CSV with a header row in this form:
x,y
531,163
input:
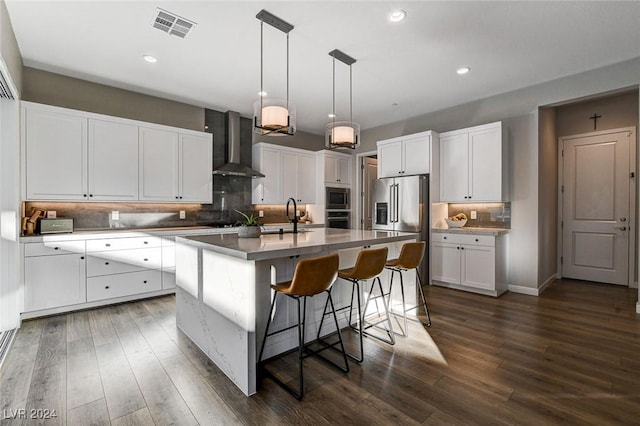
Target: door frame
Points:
x,y
631,283
359,185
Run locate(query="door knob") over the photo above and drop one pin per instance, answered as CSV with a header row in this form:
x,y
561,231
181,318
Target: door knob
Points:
x,y
622,228
623,219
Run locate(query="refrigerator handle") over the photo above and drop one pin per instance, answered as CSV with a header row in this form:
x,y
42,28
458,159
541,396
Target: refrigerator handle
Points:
x,y
391,206
396,202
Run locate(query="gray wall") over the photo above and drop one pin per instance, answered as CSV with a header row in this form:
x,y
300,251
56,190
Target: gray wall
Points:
x,y
9,47
548,199
55,89
518,110
300,140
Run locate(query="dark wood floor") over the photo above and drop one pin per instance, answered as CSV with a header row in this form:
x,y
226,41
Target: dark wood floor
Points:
x,y
571,356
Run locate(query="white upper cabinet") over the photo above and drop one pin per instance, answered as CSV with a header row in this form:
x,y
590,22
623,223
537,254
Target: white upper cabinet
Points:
x,y
159,157
337,168
196,164
77,156
55,147
175,167
472,165
113,161
405,156
289,173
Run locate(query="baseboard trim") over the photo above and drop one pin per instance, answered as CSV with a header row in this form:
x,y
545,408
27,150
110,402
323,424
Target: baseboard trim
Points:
x,y
6,338
547,283
638,307
524,290
633,284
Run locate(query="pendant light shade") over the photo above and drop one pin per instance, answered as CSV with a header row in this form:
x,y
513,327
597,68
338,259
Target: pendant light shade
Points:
x,y
273,117
342,134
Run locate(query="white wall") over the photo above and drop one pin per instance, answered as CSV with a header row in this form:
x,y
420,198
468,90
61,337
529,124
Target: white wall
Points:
x,y
519,112
548,196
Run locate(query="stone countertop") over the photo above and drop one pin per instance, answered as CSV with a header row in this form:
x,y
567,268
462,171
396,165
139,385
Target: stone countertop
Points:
x,y
475,231
93,234
275,246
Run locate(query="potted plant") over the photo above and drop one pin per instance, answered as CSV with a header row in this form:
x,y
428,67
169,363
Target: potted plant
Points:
x,y
249,227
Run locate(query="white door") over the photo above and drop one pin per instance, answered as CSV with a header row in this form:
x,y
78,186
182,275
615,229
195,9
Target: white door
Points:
x,y
289,175
52,281
454,167
268,190
390,159
416,153
113,161
330,169
306,178
196,164
485,165
478,266
158,165
445,260
595,207
56,155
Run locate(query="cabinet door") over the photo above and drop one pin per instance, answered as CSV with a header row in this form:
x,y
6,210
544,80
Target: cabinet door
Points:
x,y
478,267
196,164
485,165
390,159
306,178
330,168
54,281
113,161
267,190
416,156
56,155
454,167
344,170
289,161
445,261
158,165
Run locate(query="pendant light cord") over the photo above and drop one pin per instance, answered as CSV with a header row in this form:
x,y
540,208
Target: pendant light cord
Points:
x,y
287,73
261,67
334,94
351,95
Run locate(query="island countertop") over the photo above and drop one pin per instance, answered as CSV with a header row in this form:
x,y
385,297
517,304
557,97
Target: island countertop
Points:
x,y
271,246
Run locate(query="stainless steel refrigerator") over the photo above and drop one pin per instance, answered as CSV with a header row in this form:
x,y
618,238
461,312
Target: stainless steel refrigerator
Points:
x,y
402,204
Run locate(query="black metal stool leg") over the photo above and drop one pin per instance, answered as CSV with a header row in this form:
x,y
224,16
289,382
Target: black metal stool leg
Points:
x,y
424,299
266,332
389,330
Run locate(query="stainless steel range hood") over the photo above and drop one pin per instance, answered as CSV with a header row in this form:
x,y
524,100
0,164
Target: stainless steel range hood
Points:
x,y
233,166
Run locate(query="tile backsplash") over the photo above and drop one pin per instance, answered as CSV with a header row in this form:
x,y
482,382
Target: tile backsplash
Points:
x,y
489,215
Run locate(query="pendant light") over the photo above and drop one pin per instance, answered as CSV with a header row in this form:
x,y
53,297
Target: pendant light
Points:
x,y
273,117
342,134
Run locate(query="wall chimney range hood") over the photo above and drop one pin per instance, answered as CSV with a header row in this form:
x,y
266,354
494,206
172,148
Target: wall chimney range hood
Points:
x,y
233,166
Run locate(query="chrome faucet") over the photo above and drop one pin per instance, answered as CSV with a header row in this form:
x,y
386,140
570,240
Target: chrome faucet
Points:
x,y
295,214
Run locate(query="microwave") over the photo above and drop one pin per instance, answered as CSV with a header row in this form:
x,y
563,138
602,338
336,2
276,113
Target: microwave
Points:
x,y
338,198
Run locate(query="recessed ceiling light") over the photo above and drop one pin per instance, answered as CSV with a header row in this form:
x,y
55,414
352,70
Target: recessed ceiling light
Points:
x,y
150,59
397,15
463,70
332,115
262,93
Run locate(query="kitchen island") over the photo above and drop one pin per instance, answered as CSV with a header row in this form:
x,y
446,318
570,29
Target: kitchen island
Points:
x,y
223,294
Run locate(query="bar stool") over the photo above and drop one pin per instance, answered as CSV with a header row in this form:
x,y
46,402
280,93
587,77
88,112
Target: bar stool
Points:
x,y
311,277
369,265
410,257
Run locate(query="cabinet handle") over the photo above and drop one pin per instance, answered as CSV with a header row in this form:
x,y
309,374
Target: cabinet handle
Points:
x,y
106,286
444,238
84,195
457,248
461,248
107,245
146,260
56,248
90,195
106,263
176,197
477,240
146,242
145,281
81,257
181,198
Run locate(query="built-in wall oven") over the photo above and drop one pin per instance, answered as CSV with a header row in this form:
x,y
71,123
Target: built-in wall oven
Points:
x,y
338,198
338,219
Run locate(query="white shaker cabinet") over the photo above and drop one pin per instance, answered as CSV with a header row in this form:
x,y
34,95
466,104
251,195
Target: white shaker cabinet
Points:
x,y
55,149
289,172
406,155
54,275
473,165
337,168
113,161
174,167
469,262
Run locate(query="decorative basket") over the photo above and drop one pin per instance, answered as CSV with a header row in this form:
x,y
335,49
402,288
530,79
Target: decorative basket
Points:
x,y
249,232
455,223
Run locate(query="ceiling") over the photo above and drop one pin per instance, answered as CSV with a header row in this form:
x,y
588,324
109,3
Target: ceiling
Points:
x,y
402,70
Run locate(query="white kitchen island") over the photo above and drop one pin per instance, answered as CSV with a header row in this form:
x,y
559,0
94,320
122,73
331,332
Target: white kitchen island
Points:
x,y
223,294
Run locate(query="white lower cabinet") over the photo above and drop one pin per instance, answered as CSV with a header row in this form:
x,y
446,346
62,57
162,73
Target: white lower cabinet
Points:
x,y
168,263
120,285
54,275
469,262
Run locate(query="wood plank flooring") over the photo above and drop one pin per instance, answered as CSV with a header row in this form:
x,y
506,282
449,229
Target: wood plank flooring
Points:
x,y
570,356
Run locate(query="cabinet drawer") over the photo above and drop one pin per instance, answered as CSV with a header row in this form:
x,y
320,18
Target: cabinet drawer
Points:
x,y
467,239
120,261
53,248
111,286
123,243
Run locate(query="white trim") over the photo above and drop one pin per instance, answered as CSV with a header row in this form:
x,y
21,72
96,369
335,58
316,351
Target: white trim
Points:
x,y
634,284
523,290
547,283
638,307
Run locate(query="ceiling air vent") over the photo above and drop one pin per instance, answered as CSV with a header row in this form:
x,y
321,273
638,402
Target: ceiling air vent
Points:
x,y
171,23
5,89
